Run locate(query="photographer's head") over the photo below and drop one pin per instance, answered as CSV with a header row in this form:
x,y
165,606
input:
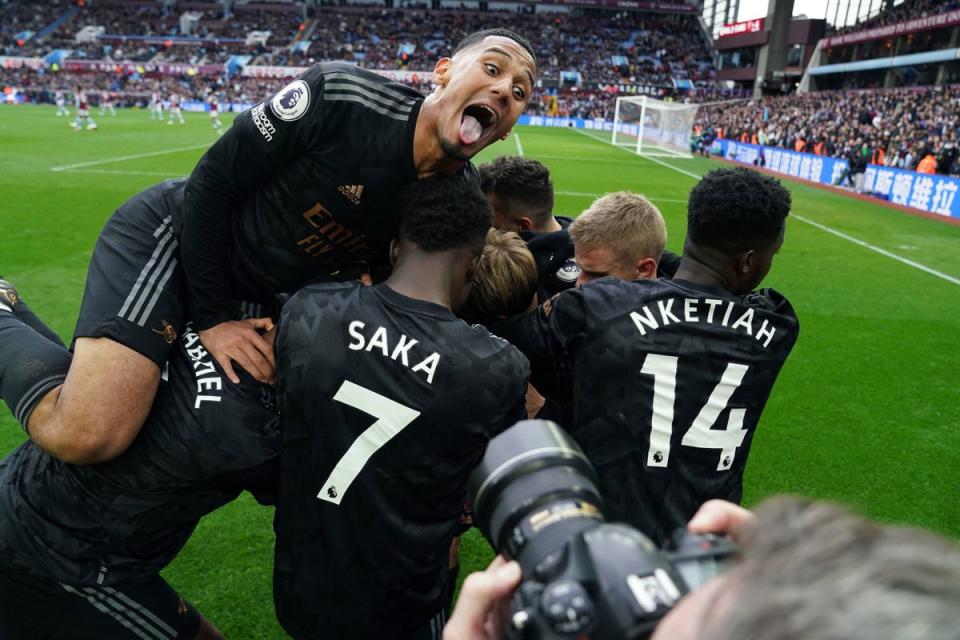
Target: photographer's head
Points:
x,y
814,570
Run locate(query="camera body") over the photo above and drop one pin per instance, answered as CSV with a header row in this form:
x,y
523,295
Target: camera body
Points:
x,y
535,498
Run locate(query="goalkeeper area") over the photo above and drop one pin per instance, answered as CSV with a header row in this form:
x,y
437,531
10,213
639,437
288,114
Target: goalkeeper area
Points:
x,y
652,127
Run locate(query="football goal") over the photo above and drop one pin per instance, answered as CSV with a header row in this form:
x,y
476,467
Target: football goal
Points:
x,y
653,127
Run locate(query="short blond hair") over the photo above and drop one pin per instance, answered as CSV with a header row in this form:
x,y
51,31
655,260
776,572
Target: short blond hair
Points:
x,y
505,280
627,223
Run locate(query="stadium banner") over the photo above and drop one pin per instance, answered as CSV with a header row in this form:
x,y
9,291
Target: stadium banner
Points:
x,y
198,106
739,28
163,68
923,191
263,71
939,21
673,7
13,62
928,192
598,124
806,166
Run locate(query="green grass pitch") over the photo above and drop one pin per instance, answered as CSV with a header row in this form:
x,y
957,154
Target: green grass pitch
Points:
x,y
866,411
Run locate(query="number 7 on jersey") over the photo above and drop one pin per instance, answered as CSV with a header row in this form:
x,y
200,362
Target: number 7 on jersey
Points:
x,y
392,418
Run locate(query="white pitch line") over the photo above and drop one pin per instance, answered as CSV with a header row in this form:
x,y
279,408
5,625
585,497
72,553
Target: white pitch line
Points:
x,y
883,252
822,227
137,156
124,173
516,137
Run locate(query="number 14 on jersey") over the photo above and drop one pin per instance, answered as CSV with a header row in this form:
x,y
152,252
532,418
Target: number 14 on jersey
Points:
x,y
664,371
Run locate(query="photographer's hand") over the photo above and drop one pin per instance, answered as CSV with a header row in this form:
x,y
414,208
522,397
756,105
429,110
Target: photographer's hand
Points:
x,y
720,516
483,607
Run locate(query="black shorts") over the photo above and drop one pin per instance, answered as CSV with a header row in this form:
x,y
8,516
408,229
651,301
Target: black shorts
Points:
x,y
38,609
135,286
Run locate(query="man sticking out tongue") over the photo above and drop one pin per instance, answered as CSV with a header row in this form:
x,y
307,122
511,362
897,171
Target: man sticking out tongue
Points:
x,y
470,130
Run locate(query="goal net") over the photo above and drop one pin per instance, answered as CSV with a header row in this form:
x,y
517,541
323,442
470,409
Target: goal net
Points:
x,y
653,127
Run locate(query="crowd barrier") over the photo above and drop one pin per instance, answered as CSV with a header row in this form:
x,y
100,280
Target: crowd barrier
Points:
x,y
931,193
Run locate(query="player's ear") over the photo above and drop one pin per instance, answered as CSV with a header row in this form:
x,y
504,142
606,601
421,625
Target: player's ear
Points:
x,y
525,223
646,269
441,71
746,262
394,252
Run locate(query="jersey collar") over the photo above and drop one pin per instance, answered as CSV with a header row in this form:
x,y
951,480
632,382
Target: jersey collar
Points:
x,y
421,307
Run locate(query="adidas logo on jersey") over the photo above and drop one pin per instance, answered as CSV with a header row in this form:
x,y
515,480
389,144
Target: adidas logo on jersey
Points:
x,y
352,192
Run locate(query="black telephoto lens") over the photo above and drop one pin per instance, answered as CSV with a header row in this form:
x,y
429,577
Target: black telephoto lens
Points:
x,y
533,484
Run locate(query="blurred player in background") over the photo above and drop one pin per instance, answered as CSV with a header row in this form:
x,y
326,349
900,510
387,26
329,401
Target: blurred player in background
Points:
x,y
81,101
175,111
215,112
156,105
106,103
61,102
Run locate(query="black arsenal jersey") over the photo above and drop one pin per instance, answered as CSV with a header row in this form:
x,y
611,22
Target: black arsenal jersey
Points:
x,y
388,404
669,380
300,188
205,440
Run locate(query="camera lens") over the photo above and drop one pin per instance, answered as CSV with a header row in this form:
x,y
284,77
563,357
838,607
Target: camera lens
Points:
x,y
534,484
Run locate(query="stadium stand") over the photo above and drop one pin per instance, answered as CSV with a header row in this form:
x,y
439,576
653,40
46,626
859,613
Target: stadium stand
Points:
x,y
909,10
899,126
603,53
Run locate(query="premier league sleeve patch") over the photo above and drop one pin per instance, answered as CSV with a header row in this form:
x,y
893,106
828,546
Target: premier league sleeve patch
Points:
x,y
568,272
291,102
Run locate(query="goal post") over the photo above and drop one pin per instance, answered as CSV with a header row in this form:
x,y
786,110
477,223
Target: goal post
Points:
x,y
653,127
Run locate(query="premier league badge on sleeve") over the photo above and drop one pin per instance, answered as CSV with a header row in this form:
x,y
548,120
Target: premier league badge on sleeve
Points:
x,y
568,272
291,102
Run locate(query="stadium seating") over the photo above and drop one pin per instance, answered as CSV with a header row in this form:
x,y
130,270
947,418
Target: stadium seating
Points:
x,y
909,10
636,49
902,123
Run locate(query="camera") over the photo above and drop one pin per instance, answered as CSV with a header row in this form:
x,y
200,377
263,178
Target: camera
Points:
x,y
535,499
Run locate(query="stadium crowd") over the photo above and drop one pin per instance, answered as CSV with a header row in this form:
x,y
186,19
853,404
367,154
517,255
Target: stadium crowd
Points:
x,y
908,10
629,47
892,127
656,48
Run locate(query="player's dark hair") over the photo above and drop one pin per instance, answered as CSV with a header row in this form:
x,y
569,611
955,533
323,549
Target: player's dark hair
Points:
x,y
736,209
444,212
520,185
478,36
